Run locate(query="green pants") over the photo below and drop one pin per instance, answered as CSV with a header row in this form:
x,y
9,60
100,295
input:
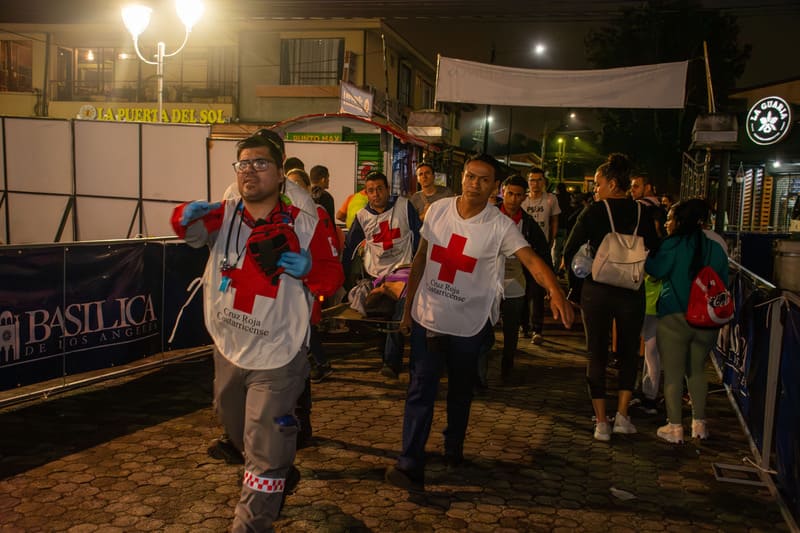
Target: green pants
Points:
x,y
683,350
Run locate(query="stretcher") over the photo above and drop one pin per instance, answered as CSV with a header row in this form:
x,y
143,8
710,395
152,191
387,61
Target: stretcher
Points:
x,y
344,312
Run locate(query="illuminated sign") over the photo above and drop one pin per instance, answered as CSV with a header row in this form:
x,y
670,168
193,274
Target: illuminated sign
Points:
x,y
769,120
305,136
145,114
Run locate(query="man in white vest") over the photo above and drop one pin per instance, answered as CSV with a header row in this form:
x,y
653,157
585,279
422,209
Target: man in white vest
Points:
x,y
454,293
389,228
268,261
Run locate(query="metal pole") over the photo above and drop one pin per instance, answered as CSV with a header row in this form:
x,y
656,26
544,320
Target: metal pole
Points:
x,y
722,191
160,76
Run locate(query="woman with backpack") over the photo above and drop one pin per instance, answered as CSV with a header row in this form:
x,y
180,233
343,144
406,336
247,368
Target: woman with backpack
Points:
x,y
604,303
683,347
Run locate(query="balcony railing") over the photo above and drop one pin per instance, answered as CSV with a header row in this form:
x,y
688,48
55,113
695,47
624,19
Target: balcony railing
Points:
x,y
131,91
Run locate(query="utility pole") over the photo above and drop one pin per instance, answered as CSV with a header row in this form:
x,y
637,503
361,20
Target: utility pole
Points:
x,y
486,116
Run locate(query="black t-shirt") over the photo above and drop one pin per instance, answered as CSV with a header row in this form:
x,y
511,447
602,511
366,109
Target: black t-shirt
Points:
x,y
324,198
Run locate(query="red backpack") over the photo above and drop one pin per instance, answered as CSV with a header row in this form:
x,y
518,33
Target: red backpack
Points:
x,y
710,303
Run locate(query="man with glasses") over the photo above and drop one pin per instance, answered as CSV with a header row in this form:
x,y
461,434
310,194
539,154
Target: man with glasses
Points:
x,y
452,304
388,227
268,261
543,207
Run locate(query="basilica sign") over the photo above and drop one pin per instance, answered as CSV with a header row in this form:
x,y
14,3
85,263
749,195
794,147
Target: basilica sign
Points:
x,y
769,120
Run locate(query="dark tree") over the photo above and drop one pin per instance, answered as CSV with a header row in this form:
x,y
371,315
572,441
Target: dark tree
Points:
x,y
661,32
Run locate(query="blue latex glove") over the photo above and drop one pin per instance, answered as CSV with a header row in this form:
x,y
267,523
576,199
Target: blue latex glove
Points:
x,y
197,209
295,264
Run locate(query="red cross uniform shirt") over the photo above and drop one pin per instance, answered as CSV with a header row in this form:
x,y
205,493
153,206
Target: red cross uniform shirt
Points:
x,y
388,238
257,324
462,283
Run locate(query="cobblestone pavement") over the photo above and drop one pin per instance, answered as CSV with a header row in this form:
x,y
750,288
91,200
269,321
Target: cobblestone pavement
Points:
x,y
129,455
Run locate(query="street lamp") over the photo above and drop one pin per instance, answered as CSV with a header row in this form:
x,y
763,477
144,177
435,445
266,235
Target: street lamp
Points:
x,y
136,18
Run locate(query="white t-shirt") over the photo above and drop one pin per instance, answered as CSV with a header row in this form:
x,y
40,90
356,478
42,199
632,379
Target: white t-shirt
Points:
x,y
462,284
541,209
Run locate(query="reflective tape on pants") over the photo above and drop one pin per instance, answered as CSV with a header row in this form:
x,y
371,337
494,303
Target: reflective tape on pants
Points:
x,y
263,484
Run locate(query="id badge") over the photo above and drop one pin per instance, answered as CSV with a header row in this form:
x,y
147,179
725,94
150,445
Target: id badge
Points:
x,y
224,284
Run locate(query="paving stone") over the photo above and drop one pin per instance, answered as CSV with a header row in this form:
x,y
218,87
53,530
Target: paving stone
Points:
x,y
140,464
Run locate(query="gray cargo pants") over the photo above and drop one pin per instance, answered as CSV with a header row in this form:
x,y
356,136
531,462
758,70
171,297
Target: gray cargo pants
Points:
x,y
256,407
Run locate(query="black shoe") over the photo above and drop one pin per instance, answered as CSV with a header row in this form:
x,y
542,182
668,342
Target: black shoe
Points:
x,y
527,334
481,388
320,372
223,449
292,479
453,460
389,372
648,406
404,479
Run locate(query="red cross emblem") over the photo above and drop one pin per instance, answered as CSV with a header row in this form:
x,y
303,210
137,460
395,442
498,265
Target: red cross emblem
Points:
x,y
249,281
386,235
452,258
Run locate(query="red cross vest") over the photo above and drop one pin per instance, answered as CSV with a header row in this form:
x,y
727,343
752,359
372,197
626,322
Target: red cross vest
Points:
x,y
255,323
462,284
388,239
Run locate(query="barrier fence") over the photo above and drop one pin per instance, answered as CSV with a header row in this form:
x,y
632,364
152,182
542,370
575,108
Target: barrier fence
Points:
x,y
66,310
758,357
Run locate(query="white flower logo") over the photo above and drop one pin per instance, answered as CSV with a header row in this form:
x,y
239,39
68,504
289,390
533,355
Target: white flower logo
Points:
x,y
768,123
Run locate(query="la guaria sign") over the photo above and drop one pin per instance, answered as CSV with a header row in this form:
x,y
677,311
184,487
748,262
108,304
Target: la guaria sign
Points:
x,y
769,120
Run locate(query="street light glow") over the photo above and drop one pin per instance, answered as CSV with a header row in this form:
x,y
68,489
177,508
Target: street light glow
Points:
x,y
539,49
136,18
189,11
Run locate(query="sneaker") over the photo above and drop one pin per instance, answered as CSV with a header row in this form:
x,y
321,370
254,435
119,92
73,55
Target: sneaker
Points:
x,y
404,479
699,430
526,333
389,372
320,372
623,424
602,431
671,433
223,449
537,339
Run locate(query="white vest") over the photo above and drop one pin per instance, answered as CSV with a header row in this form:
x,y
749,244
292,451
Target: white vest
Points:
x,y
267,325
388,238
462,284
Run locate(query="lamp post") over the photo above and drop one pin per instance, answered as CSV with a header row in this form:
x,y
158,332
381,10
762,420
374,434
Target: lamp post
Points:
x,y
136,18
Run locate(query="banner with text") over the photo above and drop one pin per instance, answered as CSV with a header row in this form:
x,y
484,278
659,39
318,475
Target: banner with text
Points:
x,y
69,310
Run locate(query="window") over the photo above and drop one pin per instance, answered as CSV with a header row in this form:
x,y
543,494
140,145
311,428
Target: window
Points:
x,y
311,61
16,65
426,93
404,85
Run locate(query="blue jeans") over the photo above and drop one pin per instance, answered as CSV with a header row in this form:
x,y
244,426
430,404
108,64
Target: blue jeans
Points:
x,y
427,356
393,352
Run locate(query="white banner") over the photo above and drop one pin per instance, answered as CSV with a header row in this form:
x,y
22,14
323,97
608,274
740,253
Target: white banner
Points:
x,y
647,86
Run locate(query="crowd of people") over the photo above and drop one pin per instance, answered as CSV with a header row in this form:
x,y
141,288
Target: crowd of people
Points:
x,y
467,261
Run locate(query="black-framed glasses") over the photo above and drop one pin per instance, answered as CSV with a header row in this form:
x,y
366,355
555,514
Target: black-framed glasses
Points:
x,y
259,165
